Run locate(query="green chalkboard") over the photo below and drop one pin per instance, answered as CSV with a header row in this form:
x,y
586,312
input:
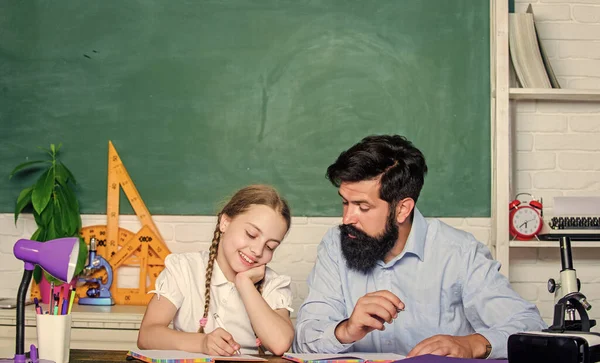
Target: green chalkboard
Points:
x,y
203,97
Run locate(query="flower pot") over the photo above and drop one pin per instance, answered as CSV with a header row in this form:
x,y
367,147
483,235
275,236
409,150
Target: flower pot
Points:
x,y
45,289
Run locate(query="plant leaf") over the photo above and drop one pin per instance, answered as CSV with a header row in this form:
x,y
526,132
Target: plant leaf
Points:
x,y
46,151
53,149
71,199
58,216
22,201
38,219
69,224
25,165
43,190
51,232
62,174
37,274
82,257
71,177
75,216
51,278
36,235
58,147
48,215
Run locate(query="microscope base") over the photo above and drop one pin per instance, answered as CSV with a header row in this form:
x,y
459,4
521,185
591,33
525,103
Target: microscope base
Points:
x,y
98,301
575,325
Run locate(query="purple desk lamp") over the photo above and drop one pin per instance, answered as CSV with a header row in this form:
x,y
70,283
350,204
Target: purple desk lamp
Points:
x,y
59,258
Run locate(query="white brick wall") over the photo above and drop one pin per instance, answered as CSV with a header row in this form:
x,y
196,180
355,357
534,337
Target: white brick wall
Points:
x,y
557,144
295,257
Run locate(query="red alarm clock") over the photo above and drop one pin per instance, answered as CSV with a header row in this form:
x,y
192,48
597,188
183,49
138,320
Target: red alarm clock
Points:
x,y
525,218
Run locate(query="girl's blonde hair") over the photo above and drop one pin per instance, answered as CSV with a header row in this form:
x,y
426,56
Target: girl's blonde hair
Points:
x,y
241,201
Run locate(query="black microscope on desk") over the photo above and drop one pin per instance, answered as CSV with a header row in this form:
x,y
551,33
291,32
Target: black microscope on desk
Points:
x,y
569,339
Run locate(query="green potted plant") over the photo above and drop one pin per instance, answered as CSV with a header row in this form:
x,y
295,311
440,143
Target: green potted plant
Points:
x,y
54,205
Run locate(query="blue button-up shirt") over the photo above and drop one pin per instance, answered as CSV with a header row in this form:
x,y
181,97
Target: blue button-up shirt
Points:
x,y
447,280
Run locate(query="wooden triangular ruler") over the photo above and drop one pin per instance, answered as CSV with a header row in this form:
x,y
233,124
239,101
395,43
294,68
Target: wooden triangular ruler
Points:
x,y
145,250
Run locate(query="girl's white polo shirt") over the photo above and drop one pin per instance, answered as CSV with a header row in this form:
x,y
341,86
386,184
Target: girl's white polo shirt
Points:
x,y
182,282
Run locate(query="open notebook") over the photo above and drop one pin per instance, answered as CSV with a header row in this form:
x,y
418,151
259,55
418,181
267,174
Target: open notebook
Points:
x,y
354,357
376,357
178,356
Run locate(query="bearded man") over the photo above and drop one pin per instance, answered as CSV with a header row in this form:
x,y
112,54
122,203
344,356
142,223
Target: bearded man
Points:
x,y
388,280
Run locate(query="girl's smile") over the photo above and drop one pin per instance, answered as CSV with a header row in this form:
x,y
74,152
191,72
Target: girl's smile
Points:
x,y
246,260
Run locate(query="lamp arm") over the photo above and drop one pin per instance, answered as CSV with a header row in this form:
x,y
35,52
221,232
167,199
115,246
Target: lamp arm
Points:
x,y
20,342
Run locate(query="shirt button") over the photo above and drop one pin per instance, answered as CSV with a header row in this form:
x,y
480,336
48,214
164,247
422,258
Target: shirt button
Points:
x,y
224,301
388,342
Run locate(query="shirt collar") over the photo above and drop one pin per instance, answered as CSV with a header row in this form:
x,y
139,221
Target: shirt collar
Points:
x,y
415,243
218,277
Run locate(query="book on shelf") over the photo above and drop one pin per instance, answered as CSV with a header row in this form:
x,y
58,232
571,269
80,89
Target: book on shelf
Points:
x,y
545,59
525,52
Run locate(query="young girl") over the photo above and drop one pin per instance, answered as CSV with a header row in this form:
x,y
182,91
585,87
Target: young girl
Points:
x,y
226,300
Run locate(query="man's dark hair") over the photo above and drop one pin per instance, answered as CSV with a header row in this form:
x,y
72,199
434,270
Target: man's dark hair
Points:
x,y
401,165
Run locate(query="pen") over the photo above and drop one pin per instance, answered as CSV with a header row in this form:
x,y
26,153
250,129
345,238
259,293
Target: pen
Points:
x,y
71,298
60,299
222,326
55,304
38,308
64,307
51,300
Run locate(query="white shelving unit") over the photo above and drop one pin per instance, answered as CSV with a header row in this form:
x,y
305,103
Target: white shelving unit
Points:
x,y
502,97
553,244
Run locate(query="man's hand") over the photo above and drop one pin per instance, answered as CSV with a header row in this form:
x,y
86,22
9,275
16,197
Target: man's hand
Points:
x,y
219,342
370,313
470,346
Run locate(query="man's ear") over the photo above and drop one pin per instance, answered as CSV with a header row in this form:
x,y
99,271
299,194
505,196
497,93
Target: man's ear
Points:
x,y
224,223
404,209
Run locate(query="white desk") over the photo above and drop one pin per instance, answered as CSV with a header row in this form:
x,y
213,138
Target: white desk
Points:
x,y
93,327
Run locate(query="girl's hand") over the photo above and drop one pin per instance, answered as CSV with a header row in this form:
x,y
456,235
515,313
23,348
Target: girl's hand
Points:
x,y
219,342
254,274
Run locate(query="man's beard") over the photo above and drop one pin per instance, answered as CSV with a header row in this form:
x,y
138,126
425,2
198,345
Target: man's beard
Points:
x,y
363,251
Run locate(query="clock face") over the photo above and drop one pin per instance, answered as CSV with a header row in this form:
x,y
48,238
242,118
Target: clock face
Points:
x,y
526,221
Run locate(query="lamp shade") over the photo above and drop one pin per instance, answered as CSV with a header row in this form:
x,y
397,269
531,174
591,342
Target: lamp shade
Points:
x,y
58,256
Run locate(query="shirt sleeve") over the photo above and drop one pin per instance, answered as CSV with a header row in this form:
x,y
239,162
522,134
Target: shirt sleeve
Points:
x,y
492,307
277,292
167,281
324,308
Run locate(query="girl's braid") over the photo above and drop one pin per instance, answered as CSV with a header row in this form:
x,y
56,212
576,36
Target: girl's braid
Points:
x,y
209,270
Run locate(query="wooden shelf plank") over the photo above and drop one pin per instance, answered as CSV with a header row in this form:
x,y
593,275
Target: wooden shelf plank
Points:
x,y
555,244
555,94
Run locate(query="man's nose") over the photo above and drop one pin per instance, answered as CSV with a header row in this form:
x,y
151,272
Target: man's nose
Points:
x,y
349,216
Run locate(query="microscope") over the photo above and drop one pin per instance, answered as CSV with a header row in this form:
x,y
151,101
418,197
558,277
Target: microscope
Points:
x,y
568,339
567,296
98,292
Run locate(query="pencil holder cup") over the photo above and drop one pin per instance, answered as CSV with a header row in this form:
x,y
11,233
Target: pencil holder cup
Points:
x,y
54,337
